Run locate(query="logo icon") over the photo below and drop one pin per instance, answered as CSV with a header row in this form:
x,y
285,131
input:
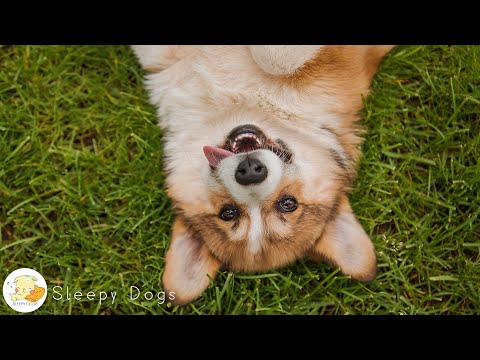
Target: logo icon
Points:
x,y
25,290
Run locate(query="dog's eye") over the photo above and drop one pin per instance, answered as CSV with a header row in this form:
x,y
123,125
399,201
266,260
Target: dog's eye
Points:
x,y
287,204
228,213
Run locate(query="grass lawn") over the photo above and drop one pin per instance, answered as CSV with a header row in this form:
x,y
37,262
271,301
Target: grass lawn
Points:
x,y
82,198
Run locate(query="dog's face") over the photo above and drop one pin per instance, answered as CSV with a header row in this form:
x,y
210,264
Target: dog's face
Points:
x,y
279,156
25,285
268,201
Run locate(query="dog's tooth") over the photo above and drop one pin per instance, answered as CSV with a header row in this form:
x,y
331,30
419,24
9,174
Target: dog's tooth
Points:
x,y
245,136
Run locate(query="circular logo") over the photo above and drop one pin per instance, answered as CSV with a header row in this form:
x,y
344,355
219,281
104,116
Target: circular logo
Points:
x,y
25,290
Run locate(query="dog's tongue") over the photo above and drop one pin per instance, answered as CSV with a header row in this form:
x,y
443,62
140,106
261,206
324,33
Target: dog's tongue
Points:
x,y
215,155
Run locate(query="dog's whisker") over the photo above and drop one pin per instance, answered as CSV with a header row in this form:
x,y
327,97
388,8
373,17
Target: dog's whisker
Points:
x,y
256,220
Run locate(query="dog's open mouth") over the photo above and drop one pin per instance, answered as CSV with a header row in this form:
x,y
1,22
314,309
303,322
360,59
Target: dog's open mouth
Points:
x,y
243,139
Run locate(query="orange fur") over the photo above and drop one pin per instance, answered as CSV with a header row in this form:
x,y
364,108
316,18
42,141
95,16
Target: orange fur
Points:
x,y
344,71
315,110
284,242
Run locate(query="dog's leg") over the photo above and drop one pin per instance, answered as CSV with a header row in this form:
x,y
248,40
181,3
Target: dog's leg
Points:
x,y
189,265
283,59
155,58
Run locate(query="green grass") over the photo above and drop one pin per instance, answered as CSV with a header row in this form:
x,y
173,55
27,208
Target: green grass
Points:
x,y
82,198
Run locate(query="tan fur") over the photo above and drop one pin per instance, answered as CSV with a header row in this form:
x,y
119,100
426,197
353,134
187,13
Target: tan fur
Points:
x,y
312,104
189,266
345,72
284,242
353,253
157,58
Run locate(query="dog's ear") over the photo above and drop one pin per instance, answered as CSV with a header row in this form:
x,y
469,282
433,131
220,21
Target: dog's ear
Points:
x,y
155,58
345,244
189,265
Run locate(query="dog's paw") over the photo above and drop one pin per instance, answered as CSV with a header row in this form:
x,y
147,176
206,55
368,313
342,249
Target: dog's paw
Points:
x,y
155,58
283,59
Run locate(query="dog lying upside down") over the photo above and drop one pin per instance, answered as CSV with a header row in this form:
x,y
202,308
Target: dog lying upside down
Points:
x,y
261,148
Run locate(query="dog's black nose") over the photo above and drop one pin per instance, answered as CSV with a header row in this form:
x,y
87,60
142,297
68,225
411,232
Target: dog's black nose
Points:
x,y
251,171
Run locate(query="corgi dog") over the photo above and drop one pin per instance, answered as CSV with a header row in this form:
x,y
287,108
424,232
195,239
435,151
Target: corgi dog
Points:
x,y
261,148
